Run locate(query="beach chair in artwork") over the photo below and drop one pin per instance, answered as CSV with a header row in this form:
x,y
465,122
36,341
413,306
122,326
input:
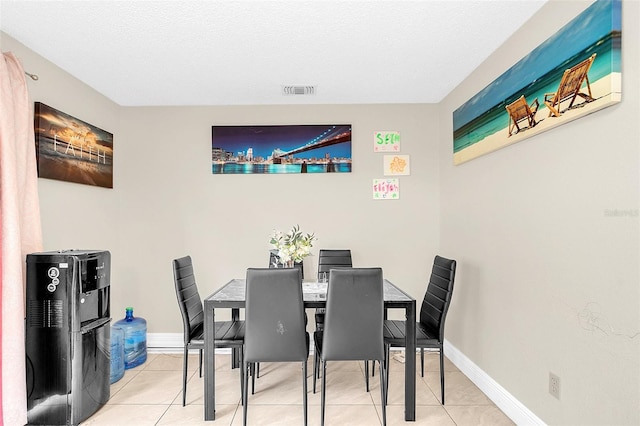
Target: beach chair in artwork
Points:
x,y
520,111
571,87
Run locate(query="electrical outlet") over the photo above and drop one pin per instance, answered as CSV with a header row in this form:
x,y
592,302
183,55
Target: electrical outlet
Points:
x,y
554,385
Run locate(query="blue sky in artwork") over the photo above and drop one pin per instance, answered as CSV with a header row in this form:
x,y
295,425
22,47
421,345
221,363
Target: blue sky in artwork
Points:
x,y
587,29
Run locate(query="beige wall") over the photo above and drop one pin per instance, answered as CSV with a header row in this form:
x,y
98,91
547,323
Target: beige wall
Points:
x,y
547,280
172,205
527,224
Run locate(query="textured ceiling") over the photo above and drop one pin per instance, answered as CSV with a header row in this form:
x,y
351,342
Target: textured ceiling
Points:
x,y
219,52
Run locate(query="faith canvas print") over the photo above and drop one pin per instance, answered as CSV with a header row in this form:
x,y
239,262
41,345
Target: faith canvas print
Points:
x,y
268,149
72,150
573,73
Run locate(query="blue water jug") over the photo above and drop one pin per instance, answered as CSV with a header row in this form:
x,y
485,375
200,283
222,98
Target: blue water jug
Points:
x,y
117,354
135,339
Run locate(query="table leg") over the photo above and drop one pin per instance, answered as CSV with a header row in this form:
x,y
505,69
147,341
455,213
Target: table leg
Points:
x,y
235,352
209,364
410,364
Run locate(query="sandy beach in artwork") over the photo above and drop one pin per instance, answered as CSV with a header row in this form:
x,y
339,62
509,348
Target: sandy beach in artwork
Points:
x,y
84,172
606,91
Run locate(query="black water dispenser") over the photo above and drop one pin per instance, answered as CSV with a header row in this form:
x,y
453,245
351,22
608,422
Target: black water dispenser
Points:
x,y
67,335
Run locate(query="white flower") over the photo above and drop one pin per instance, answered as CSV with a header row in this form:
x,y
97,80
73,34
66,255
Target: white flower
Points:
x,y
293,245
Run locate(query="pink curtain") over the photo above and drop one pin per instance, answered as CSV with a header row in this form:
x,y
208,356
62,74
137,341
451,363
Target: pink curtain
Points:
x,y
20,231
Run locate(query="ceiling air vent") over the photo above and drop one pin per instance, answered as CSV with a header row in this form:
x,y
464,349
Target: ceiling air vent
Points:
x,y
299,90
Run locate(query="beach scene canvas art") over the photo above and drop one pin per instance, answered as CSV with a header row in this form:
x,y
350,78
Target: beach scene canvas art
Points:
x,y
72,150
312,148
573,73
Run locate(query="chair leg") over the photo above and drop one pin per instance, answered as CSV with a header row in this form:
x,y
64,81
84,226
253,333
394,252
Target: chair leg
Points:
x,y
442,374
315,368
422,362
245,399
304,390
200,361
257,370
319,371
383,394
242,373
236,358
386,372
184,375
254,368
366,374
323,392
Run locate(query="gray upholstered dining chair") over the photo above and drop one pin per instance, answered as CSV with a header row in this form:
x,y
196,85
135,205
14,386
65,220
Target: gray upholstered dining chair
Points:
x,y
333,258
353,324
227,333
433,312
329,259
274,262
275,326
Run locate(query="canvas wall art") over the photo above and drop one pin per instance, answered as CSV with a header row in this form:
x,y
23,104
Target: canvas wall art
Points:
x,y
72,150
573,73
312,148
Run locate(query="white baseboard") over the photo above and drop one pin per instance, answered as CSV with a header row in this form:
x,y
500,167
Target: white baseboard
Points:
x,y
513,408
165,342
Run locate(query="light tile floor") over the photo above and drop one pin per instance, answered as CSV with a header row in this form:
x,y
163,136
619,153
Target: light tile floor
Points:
x,y
151,394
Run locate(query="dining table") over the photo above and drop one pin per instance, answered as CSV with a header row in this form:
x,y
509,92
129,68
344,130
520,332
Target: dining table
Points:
x,y
232,296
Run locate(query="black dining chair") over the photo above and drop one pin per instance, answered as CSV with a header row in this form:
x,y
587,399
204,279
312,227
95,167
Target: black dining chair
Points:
x,y
353,324
275,326
274,259
330,259
274,262
227,333
430,327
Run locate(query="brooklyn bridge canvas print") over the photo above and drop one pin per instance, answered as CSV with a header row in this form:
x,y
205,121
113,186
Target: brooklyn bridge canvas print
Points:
x,y
312,148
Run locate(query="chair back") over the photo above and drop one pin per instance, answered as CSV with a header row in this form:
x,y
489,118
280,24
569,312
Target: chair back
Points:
x,y
438,296
519,109
274,316
332,259
188,298
274,262
353,328
572,80
274,259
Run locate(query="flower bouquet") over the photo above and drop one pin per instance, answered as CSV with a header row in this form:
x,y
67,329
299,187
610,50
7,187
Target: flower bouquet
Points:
x,y
293,246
